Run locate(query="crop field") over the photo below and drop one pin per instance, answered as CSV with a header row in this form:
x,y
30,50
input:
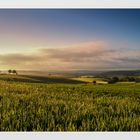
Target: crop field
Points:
x,y
68,105
90,79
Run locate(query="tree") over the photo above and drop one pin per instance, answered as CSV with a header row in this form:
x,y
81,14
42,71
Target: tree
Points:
x,y
128,79
9,71
94,82
131,79
14,72
113,80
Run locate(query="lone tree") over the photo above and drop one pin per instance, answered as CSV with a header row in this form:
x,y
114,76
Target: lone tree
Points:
x,y
14,72
9,71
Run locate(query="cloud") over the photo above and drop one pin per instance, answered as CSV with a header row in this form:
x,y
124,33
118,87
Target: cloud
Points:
x,y
75,53
90,55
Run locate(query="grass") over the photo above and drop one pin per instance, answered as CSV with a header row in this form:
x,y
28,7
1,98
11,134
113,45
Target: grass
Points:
x,y
90,79
31,106
40,79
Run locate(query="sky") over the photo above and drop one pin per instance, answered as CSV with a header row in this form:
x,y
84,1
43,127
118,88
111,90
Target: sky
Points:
x,y
69,39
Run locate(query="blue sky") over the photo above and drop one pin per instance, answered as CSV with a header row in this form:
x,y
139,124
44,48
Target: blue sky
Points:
x,y
27,32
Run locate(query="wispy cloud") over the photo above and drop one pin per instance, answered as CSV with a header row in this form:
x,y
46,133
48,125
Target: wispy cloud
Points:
x,y
91,55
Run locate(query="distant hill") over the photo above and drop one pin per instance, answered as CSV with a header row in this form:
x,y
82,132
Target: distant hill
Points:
x,y
82,72
40,79
120,73
29,72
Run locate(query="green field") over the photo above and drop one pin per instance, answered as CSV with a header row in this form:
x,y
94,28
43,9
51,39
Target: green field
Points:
x,y
90,79
60,104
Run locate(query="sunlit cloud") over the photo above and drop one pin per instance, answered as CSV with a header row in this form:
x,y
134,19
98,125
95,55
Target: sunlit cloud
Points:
x,y
90,55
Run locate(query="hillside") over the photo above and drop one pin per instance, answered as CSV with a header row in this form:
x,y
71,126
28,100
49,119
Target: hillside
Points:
x,y
40,79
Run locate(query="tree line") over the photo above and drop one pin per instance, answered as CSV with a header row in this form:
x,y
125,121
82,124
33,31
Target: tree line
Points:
x,y
122,79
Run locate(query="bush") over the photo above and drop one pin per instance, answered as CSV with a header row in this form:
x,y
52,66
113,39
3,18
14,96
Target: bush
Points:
x,y
113,80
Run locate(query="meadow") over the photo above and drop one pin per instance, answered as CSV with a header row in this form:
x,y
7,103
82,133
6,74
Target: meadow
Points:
x,y
60,104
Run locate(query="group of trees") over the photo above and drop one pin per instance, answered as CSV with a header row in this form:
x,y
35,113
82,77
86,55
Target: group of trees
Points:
x,y
118,79
122,79
12,72
113,80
